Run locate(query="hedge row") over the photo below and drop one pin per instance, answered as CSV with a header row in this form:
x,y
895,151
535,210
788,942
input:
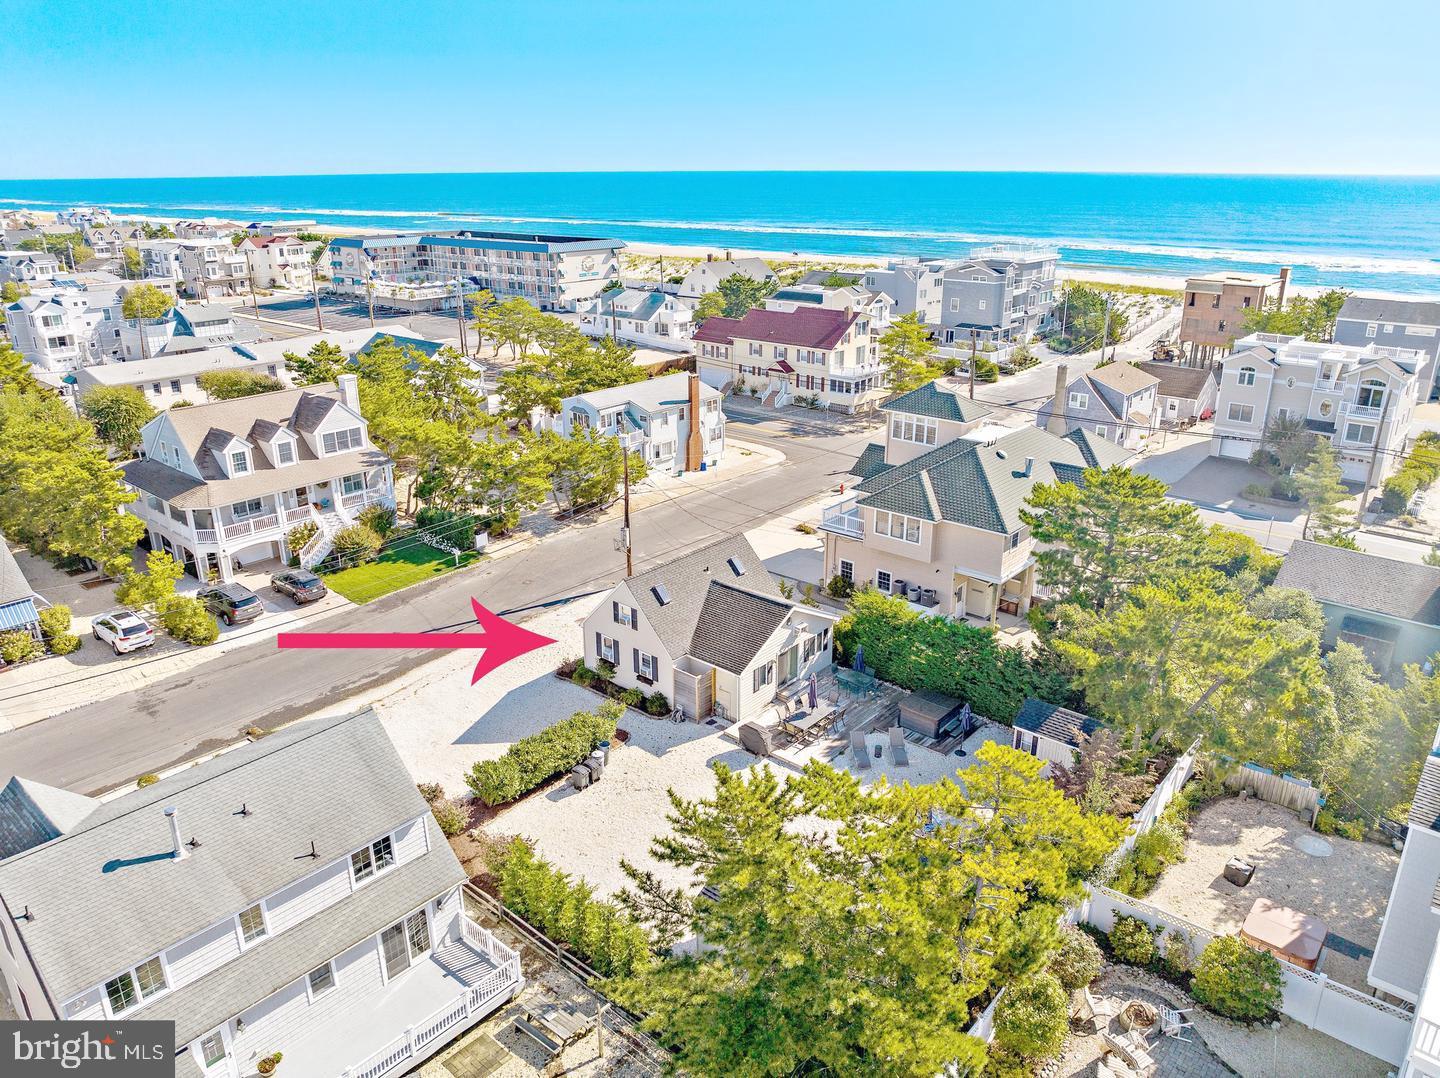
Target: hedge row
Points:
x,y
567,911
532,760
1420,469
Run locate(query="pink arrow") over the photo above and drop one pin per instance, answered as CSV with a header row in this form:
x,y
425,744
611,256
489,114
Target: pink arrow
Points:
x,y
501,640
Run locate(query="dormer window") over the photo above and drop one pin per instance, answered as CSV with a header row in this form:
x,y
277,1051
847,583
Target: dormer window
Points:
x,y
284,453
342,441
239,462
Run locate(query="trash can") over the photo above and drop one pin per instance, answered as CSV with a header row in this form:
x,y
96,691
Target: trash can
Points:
x,y
603,748
596,760
579,776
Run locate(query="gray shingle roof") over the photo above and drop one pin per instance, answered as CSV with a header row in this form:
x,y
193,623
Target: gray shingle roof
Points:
x,y
1362,581
1412,312
734,625
1179,381
32,814
1098,452
977,484
1055,722
107,895
688,580
13,585
940,401
1124,378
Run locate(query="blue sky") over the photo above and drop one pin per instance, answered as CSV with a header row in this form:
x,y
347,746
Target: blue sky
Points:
x,y
215,88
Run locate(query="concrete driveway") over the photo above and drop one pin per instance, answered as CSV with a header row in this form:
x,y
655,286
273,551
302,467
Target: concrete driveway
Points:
x,y
1217,482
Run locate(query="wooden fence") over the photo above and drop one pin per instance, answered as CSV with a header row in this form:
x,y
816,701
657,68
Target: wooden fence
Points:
x,y
1277,789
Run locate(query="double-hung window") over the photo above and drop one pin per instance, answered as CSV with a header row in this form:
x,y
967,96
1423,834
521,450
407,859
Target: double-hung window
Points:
x,y
1241,413
239,460
645,664
373,859
882,579
897,526
131,987
252,924
352,484
342,441
847,571
284,453
320,980
627,616
1245,376
764,675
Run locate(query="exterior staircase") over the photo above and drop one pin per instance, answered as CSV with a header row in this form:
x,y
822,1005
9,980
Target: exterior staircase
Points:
x,y
323,541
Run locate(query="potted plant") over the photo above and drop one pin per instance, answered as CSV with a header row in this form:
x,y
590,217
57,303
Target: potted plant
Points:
x,y
268,1064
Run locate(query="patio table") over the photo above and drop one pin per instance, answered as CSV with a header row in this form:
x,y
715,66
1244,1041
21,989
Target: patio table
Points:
x,y
564,1023
802,723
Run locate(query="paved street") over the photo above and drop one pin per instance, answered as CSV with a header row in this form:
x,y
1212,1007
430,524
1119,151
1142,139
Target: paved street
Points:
x,y
109,743
340,314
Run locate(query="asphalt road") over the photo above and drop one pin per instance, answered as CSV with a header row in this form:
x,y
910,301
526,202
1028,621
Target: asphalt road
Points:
x,y
109,743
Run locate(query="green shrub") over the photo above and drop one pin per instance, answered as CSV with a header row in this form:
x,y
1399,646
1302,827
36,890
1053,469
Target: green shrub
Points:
x,y
839,587
1354,830
430,791
64,643
380,519
186,619
54,621
1077,961
147,780
1032,1017
1154,851
1398,491
583,676
356,544
657,704
805,529
1255,490
1175,953
1132,941
567,911
1237,981
534,759
451,815
298,536
632,698
446,525
1000,1062
18,647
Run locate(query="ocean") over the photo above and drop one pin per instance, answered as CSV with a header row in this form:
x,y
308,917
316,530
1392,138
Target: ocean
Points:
x,y
1363,233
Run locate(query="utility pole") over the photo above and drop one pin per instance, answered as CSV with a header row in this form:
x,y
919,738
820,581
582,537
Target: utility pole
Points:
x,y
460,316
612,314
625,531
315,295
370,297
250,278
972,364
1105,333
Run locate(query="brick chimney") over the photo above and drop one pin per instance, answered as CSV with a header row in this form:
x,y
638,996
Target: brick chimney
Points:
x,y
1057,424
694,447
1284,285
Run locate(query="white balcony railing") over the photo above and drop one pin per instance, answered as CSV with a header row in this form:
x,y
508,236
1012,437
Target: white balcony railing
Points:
x,y
845,522
251,526
1360,411
361,498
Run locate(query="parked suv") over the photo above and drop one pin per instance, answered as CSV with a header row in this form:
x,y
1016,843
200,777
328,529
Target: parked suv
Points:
x,y
232,603
300,584
123,630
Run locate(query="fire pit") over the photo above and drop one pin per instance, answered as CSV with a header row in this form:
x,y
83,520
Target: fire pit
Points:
x,y
1137,1014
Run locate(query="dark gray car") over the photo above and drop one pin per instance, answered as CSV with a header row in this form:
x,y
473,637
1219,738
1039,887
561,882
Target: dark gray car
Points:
x,y
232,603
300,584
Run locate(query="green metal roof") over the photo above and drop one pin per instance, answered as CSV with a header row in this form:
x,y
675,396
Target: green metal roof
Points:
x,y
938,404
871,461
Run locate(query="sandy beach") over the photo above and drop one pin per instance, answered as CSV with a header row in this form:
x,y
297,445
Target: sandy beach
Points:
x,y
679,257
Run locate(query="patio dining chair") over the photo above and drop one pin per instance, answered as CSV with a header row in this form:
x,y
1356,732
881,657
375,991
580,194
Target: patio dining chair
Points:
x,y
1173,1023
1134,1056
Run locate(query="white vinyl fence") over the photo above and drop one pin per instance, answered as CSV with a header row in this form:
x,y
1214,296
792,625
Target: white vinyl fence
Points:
x,y
1312,999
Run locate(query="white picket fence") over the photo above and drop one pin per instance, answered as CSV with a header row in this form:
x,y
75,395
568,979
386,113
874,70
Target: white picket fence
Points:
x,y
1312,999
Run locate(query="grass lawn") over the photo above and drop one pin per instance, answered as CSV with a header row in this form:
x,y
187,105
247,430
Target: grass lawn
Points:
x,y
407,564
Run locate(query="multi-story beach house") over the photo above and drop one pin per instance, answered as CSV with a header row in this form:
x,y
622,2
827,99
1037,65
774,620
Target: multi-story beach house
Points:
x,y
206,228
290,897
1117,402
109,241
935,518
655,418
656,319
999,294
160,262
277,261
1361,398
64,329
711,631
915,285
1396,323
706,276
212,268
1213,312
187,327
220,485
819,289
169,378
808,352
427,271
28,267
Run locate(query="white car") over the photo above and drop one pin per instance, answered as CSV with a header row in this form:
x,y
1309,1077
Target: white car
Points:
x,y
123,631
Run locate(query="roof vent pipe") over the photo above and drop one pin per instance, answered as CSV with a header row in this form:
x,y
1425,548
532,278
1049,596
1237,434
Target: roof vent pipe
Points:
x,y
178,850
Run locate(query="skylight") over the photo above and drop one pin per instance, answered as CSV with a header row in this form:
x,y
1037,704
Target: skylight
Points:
x,y
661,593
736,566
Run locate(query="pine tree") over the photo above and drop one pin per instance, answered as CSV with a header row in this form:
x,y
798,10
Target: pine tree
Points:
x,y
1323,493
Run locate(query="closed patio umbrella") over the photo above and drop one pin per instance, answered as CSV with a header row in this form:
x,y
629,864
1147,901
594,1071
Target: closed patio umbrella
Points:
x,y
814,693
860,657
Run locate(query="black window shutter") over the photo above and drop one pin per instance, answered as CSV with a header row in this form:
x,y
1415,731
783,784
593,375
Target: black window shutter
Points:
x,y
615,611
598,649
635,653
634,617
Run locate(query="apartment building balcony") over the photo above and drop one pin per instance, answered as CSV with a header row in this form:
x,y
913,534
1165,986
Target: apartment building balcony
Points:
x,y
843,520
460,983
1359,411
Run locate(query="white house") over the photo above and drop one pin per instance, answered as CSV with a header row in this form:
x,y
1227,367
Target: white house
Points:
x,y
710,631
648,318
812,290
1361,398
64,329
224,483
706,276
807,352
28,267
277,261
292,895
654,417
170,377
186,327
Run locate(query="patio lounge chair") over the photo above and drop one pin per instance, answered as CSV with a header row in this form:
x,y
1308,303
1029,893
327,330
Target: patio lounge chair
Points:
x,y
1130,1050
897,747
1173,1023
859,750
1099,1011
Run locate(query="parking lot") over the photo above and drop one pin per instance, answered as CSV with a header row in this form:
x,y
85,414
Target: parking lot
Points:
x,y
338,314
